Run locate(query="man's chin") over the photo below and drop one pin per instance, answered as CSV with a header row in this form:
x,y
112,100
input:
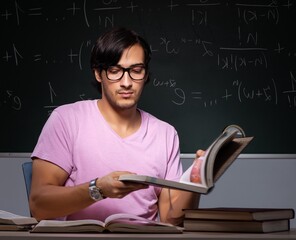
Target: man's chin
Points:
x,y
126,104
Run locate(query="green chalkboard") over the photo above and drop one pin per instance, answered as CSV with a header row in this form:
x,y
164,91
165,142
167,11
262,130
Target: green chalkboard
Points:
x,y
214,63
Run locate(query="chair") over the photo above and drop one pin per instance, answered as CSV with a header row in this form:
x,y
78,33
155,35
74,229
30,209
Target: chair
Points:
x,y
27,172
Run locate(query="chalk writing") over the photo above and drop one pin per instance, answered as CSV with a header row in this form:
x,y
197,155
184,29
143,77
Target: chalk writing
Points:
x,y
291,93
239,61
266,93
52,96
13,55
168,83
11,100
240,92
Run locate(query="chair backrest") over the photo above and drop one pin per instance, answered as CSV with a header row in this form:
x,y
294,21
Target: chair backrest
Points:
x,y
27,171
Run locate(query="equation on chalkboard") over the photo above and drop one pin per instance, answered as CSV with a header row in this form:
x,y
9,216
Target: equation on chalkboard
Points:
x,y
214,63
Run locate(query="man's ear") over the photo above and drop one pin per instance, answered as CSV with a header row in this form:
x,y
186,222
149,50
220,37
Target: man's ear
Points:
x,y
98,75
147,79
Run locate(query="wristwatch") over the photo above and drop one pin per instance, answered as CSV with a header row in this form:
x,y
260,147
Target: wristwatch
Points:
x,y
94,192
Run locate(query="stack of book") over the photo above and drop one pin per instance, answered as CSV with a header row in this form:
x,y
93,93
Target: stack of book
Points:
x,y
256,220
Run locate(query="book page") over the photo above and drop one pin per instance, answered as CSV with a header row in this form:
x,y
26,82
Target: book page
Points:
x,y
130,218
195,174
59,226
198,172
69,223
125,222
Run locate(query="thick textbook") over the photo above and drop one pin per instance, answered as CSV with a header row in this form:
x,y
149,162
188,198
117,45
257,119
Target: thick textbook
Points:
x,y
240,214
12,222
193,225
121,222
201,176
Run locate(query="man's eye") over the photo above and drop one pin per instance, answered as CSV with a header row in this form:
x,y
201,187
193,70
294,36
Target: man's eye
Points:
x,y
114,70
138,69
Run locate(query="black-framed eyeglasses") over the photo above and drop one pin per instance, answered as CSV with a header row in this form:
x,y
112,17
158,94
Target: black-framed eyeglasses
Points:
x,y
136,72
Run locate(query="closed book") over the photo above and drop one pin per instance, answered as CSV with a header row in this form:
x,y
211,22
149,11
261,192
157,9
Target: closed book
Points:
x,y
193,225
242,214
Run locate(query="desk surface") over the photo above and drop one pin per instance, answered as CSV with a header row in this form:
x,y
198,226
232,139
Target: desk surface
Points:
x,y
111,236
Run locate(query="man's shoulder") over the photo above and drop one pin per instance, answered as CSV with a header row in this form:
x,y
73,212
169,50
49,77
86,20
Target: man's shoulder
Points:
x,y
79,106
154,120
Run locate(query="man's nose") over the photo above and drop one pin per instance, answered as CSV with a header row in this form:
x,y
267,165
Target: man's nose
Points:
x,y
126,79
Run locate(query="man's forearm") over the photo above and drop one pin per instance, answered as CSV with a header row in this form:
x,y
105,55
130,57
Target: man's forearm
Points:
x,y
57,201
172,203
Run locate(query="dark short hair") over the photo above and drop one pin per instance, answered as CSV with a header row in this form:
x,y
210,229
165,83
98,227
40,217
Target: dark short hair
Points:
x,y
109,47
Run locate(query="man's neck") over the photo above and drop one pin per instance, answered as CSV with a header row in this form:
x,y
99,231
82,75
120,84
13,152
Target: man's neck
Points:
x,y
124,122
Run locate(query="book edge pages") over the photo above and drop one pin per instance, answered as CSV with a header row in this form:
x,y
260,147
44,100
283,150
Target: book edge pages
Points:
x,y
162,183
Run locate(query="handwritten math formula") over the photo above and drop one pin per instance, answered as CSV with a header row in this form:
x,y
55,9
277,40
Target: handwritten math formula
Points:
x,y
245,50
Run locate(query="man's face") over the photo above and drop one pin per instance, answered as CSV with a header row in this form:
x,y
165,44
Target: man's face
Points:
x,y
125,93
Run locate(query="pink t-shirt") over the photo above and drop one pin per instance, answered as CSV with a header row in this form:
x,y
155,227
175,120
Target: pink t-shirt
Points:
x,y
77,138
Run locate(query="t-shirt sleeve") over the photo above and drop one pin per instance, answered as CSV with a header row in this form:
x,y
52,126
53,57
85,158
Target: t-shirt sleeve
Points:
x,y
55,142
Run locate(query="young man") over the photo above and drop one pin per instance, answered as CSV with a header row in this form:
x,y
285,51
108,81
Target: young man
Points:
x,y
85,146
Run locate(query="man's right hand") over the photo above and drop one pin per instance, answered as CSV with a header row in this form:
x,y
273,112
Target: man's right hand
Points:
x,y
113,188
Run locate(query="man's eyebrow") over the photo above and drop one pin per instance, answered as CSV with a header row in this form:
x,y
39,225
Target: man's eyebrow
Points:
x,y
133,65
138,65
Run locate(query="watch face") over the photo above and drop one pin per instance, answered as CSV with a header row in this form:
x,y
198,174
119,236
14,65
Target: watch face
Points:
x,y
94,191
95,194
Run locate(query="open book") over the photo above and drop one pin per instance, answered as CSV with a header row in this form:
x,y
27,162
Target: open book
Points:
x,y
121,222
206,170
12,222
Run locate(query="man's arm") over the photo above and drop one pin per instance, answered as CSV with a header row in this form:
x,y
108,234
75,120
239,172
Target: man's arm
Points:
x,y
172,202
49,198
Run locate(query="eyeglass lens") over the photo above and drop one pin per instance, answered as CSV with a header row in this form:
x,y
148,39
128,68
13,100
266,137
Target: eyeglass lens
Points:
x,y
117,72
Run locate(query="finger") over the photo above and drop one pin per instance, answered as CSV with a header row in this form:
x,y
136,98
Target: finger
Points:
x,y
120,189
133,186
200,153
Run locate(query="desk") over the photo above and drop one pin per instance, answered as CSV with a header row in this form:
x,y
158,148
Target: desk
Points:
x,y
111,236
